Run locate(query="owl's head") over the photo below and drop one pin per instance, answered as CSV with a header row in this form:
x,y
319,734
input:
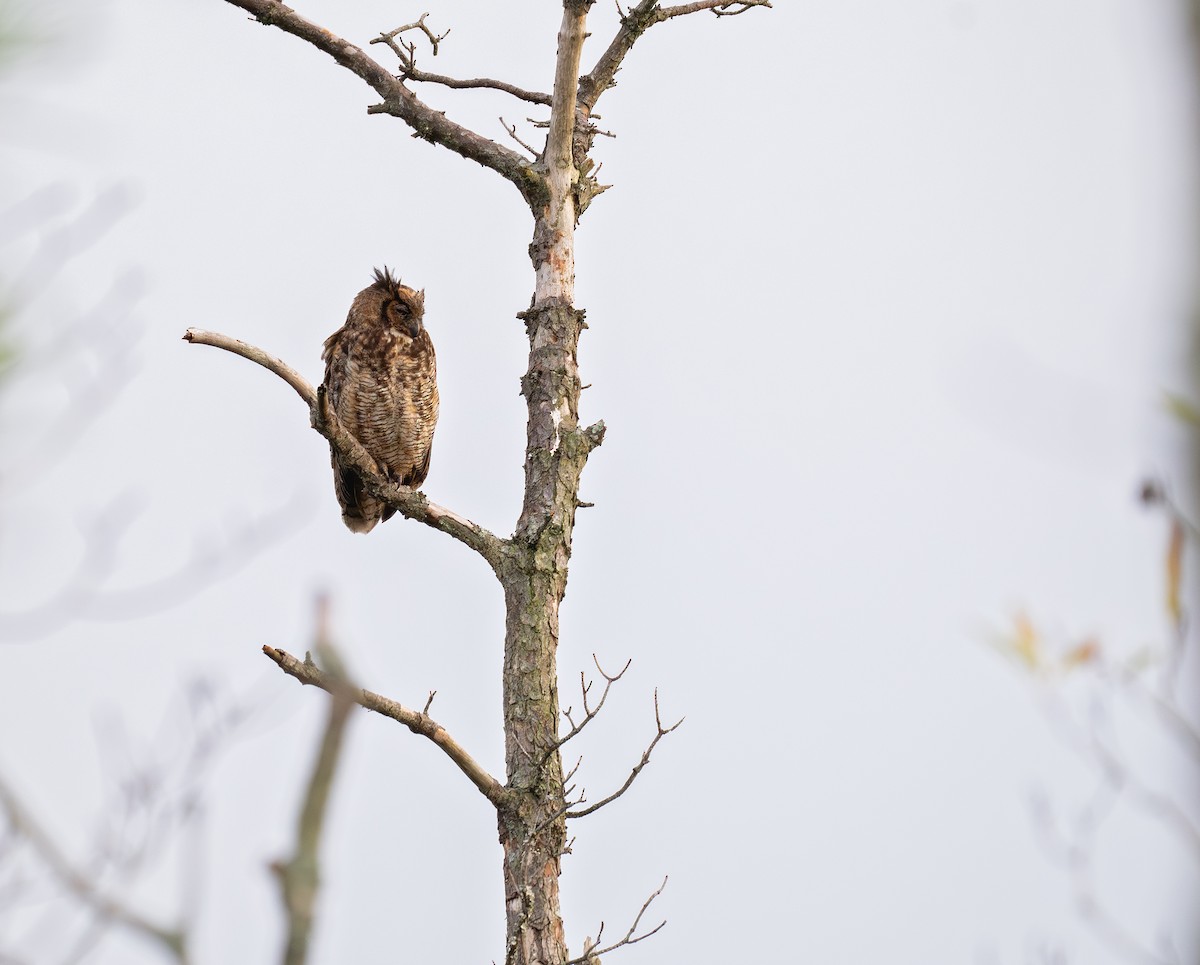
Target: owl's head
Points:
x,y
399,306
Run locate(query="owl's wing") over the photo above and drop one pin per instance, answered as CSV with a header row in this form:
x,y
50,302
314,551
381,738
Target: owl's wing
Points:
x,y
360,510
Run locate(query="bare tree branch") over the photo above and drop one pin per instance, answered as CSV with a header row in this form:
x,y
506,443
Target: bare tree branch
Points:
x,y
199,336
477,83
398,100
589,713
591,953
299,877
636,22
512,132
407,55
719,7
82,887
307,672
662,732
407,502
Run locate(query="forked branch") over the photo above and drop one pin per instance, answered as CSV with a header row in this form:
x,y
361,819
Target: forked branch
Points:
x,y
589,713
420,723
406,53
661,733
407,502
591,952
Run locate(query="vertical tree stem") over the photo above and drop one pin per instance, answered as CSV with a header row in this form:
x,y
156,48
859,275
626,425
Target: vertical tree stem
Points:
x,y
534,573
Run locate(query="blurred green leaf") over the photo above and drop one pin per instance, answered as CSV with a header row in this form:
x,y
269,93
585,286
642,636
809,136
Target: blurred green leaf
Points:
x,y
1183,408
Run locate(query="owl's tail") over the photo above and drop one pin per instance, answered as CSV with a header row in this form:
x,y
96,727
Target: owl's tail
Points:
x,y
360,510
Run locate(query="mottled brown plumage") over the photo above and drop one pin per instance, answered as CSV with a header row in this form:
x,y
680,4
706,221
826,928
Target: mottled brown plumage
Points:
x,y
381,378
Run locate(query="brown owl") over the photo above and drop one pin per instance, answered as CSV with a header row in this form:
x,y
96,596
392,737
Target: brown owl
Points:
x,y
381,379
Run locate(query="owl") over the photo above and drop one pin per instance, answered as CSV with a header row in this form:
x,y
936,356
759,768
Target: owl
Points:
x,y
381,380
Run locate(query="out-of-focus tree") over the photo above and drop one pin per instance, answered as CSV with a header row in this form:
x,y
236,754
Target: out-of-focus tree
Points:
x,y
1125,713
60,370
1131,713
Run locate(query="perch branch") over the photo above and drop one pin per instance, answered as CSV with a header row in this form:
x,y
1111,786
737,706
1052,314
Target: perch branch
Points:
x,y
104,906
407,502
591,952
308,673
636,22
398,100
661,733
198,336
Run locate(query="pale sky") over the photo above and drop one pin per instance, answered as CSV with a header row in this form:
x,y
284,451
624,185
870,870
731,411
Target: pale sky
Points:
x,y
882,307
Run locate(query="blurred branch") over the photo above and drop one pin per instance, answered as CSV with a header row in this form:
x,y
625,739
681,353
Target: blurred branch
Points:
x,y
84,595
308,673
299,877
1094,739
82,887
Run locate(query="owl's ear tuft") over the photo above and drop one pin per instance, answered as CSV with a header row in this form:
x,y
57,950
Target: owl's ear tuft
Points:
x,y
387,282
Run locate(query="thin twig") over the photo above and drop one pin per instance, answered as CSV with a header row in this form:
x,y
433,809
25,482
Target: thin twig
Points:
x,y
512,132
408,502
307,672
719,7
418,24
589,947
406,54
589,712
661,733
478,83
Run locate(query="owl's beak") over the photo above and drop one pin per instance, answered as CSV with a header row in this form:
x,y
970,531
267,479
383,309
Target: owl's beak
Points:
x,y
414,326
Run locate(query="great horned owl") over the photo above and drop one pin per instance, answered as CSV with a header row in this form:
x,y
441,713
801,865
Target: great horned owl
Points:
x,y
381,378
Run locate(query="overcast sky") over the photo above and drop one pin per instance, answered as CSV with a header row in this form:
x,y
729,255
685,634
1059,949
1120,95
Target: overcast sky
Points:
x,y
882,307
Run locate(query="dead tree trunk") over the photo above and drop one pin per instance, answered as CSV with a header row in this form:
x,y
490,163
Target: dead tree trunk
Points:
x,y
533,804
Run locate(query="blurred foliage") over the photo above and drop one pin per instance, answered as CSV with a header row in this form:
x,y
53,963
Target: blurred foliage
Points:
x,y
1183,409
21,32
8,353
1088,693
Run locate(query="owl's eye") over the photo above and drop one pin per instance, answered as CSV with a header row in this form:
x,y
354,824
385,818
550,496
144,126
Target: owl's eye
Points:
x,y
397,313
